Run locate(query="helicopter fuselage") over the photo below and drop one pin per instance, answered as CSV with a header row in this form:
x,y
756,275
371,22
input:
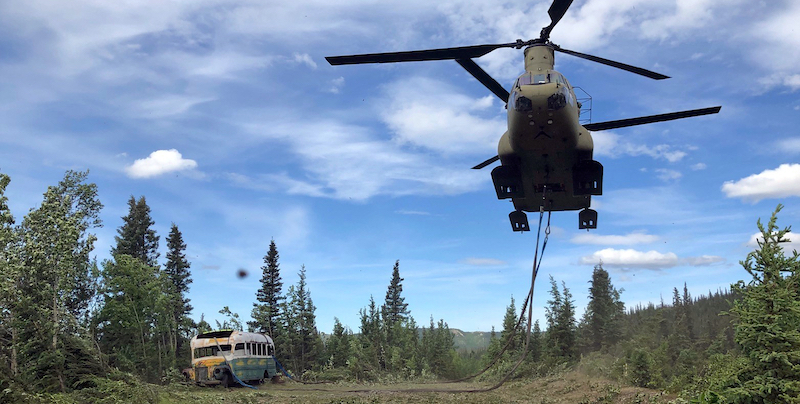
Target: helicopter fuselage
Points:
x,y
545,141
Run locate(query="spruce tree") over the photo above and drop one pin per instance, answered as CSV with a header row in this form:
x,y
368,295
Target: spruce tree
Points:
x,y
267,311
395,306
307,340
767,320
372,339
394,310
136,237
560,314
601,326
338,345
510,330
178,279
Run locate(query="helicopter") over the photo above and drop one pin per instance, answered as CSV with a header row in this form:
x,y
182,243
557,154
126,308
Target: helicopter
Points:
x,y
546,155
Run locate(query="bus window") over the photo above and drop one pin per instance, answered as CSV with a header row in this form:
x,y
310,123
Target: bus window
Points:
x,y
225,348
239,349
270,350
247,349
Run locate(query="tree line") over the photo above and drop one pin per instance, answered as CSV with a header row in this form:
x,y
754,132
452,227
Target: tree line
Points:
x,y
736,345
66,319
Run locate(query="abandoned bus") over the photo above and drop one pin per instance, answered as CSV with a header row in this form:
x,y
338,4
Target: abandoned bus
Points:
x,y
219,355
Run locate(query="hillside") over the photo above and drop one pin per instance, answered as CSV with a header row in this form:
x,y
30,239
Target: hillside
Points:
x,y
471,340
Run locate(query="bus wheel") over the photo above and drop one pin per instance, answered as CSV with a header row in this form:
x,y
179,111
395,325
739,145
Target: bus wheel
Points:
x,y
226,380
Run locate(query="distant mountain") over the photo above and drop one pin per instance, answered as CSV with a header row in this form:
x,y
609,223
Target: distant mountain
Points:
x,y
471,340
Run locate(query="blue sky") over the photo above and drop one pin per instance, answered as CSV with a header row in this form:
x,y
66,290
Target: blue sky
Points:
x,y
226,117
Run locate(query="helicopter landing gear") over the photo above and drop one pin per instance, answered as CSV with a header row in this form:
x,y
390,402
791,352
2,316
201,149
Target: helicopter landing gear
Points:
x,y
519,221
507,182
587,219
587,178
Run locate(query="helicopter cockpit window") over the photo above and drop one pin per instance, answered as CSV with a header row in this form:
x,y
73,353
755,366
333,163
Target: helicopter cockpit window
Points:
x,y
558,78
533,79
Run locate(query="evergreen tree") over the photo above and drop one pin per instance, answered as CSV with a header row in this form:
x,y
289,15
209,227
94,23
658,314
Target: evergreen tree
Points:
x,y
136,237
438,349
372,338
338,345
9,276
601,326
268,309
560,313
126,324
535,347
395,309
510,329
55,283
178,279
767,321
306,340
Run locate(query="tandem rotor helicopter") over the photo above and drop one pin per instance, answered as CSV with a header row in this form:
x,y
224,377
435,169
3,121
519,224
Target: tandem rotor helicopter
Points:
x,y
546,154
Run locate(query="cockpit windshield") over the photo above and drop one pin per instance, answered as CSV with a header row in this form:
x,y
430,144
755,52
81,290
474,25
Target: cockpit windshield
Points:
x,y
528,79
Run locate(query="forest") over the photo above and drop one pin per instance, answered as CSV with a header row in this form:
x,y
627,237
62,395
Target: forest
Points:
x,y
75,330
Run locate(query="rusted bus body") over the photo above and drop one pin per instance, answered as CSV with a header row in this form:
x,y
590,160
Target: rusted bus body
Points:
x,y
218,355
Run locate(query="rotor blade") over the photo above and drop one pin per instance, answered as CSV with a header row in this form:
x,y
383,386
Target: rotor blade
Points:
x,y
463,52
622,123
557,10
618,65
484,78
486,163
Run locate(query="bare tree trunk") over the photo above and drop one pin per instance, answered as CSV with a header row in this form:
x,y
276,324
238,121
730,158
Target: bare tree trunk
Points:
x,y
14,341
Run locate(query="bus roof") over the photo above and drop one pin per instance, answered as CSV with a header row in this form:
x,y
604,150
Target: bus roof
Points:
x,y
216,334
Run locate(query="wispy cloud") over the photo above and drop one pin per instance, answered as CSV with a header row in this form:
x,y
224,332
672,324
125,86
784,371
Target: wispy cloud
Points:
x,y
336,85
347,162
434,115
628,239
412,212
609,144
667,175
482,262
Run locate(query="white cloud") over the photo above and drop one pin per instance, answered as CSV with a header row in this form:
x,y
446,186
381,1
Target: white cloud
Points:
x,y
781,182
168,105
699,166
434,115
412,212
703,260
628,239
305,58
631,259
608,144
336,85
790,145
483,262
346,162
159,162
667,175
